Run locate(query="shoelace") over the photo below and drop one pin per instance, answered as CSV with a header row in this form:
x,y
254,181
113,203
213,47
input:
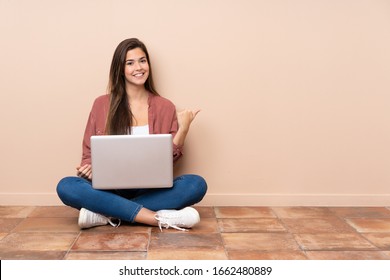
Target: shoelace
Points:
x,y
164,223
114,224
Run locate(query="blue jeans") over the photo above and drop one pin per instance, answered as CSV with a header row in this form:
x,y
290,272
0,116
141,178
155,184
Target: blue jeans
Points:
x,y
125,204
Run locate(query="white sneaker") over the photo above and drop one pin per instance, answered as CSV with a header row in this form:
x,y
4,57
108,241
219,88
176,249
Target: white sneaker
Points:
x,y
88,219
177,219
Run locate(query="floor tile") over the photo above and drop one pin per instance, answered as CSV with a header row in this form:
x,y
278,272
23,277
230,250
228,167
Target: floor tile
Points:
x,y
32,255
123,228
259,241
380,240
206,225
111,242
54,211
48,225
37,241
317,225
370,225
205,212
185,240
346,255
15,211
387,254
8,224
266,255
302,212
189,254
361,212
332,241
3,234
250,225
102,255
244,212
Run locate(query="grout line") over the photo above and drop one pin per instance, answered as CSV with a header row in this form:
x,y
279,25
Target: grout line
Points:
x,y
70,247
149,241
219,232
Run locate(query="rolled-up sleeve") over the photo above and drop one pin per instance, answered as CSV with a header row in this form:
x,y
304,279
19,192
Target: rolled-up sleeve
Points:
x,y
163,119
89,131
95,126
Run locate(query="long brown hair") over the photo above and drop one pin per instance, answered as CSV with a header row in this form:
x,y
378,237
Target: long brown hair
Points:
x,y
119,117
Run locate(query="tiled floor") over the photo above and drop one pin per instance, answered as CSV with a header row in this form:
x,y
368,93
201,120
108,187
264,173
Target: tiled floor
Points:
x,y
287,233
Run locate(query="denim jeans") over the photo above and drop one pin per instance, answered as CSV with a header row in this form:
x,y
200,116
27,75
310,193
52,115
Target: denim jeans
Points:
x,y
125,204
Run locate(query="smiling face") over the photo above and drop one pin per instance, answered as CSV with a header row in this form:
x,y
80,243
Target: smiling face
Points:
x,y
136,68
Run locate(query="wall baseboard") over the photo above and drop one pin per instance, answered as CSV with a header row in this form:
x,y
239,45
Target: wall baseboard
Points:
x,y
358,200
215,199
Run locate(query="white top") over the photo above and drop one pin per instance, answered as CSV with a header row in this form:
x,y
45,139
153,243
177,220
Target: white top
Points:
x,y
140,130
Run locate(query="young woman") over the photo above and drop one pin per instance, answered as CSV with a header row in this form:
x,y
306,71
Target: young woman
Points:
x,y
133,106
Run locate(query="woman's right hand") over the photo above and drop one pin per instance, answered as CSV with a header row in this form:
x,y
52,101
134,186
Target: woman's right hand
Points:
x,y
85,171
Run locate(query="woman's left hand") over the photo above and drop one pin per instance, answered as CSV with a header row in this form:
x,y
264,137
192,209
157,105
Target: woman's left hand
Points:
x,y
185,118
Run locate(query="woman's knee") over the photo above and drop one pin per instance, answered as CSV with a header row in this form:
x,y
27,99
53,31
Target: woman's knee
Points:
x,y
67,190
202,185
61,186
197,185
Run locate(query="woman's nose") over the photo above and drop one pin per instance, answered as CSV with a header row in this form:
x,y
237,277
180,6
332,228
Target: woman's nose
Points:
x,y
137,65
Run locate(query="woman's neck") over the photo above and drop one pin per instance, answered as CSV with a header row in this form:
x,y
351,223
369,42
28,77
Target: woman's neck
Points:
x,y
136,93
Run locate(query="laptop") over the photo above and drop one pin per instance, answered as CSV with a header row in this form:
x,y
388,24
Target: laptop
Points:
x,y
132,161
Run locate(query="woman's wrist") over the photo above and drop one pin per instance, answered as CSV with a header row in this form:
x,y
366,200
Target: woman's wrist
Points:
x,y
180,137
